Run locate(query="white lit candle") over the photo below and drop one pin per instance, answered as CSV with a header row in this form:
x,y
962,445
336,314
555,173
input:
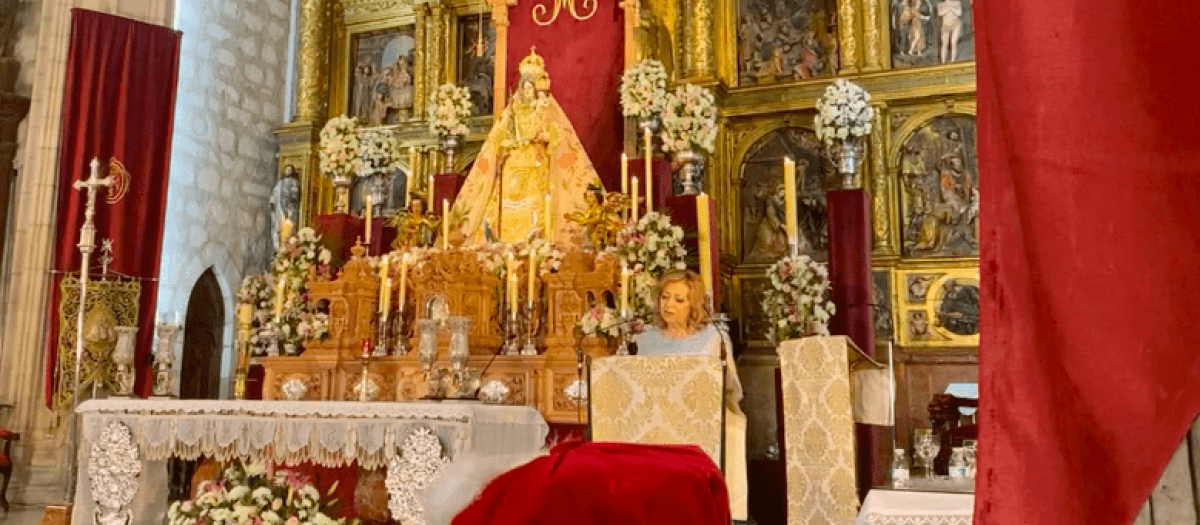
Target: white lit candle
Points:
x,y
624,288
403,279
549,234
385,288
789,199
649,173
624,173
633,201
445,224
533,264
704,230
367,220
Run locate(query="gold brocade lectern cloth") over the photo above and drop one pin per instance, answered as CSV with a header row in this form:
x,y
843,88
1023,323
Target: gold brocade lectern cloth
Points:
x,y
818,430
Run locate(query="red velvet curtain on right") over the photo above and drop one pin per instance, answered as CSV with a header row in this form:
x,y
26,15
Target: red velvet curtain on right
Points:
x,y
1090,174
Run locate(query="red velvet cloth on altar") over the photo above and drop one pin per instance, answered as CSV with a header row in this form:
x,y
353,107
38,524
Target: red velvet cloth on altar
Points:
x,y
585,59
583,483
118,107
1090,248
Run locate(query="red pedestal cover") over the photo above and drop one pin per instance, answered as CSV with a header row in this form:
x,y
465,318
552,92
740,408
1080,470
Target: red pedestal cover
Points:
x,y
682,210
662,181
606,483
445,187
381,236
338,232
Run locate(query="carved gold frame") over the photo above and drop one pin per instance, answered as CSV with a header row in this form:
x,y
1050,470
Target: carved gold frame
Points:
x,y
945,269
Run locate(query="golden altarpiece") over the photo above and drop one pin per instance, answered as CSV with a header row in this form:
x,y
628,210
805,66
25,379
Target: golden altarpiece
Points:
x,y
767,62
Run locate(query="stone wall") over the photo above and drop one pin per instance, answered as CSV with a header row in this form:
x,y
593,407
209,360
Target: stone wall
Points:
x,y
231,95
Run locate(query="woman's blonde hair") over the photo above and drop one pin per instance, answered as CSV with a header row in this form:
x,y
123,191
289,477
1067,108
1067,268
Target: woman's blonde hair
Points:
x,y
698,315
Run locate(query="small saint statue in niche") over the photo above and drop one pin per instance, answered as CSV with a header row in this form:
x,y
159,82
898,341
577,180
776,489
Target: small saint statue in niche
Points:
x,y
285,201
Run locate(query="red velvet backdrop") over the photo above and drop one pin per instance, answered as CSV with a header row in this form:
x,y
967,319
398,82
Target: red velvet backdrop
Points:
x,y
118,103
585,60
1090,248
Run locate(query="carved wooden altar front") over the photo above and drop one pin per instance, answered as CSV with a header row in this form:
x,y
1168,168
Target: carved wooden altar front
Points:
x,y
332,369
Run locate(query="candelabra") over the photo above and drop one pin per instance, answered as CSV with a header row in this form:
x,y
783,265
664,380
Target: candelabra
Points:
x,y
400,328
381,335
531,324
512,329
364,381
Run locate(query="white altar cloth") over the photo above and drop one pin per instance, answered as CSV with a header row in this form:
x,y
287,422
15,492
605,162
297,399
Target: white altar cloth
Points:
x,y
327,433
909,507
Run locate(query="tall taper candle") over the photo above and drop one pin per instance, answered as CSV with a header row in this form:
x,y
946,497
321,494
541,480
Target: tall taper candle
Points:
x,y
367,220
624,173
648,174
533,264
429,190
789,199
403,279
285,230
445,224
385,288
280,286
633,204
510,278
704,230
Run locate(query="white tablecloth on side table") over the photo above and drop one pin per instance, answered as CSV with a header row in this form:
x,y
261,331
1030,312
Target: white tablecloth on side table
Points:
x,y
907,507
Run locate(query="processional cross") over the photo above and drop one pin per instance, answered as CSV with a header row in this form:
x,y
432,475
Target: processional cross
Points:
x,y
87,244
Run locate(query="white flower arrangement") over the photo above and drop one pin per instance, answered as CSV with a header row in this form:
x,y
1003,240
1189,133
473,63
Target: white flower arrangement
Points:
x,y
843,112
650,248
256,495
494,256
299,259
339,147
797,304
448,110
379,151
689,120
643,89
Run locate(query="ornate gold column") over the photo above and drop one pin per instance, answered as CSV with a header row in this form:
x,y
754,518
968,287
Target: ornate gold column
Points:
x,y
876,47
419,87
701,65
500,62
630,8
434,52
312,92
848,35
881,198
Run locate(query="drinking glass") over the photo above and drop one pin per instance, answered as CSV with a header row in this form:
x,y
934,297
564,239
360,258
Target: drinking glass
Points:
x,y
969,445
926,446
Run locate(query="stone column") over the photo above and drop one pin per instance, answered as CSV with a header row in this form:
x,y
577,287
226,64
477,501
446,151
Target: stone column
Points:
x,y
13,108
419,54
701,65
312,92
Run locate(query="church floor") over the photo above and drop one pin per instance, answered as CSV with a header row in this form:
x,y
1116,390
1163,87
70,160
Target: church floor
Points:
x,y
22,515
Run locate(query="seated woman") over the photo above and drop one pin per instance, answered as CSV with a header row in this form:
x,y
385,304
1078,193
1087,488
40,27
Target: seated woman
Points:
x,y
683,326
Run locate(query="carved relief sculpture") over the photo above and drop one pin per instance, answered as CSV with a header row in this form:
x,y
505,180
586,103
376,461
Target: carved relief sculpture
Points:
x,y
780,41
929,32
763,230
113,469
940,188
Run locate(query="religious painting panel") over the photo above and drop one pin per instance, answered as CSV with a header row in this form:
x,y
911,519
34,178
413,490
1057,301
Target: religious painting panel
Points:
x,y
786,40
381,76
476,59
938,307
764,233
939,187
929,32
881,293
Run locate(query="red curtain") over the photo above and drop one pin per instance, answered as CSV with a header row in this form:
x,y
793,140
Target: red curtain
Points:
x,y
585,59
118,103
1089,369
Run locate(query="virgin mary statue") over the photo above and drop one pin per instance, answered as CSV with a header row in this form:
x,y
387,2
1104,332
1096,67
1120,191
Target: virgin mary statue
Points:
x,y
531,162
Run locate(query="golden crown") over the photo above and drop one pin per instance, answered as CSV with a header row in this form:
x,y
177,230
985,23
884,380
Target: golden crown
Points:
x,y
532,65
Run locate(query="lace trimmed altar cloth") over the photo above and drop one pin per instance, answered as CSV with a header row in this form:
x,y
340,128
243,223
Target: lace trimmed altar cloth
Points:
x,y
327,433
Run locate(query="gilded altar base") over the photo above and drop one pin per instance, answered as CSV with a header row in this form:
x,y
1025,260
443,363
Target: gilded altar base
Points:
x,y
452,282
